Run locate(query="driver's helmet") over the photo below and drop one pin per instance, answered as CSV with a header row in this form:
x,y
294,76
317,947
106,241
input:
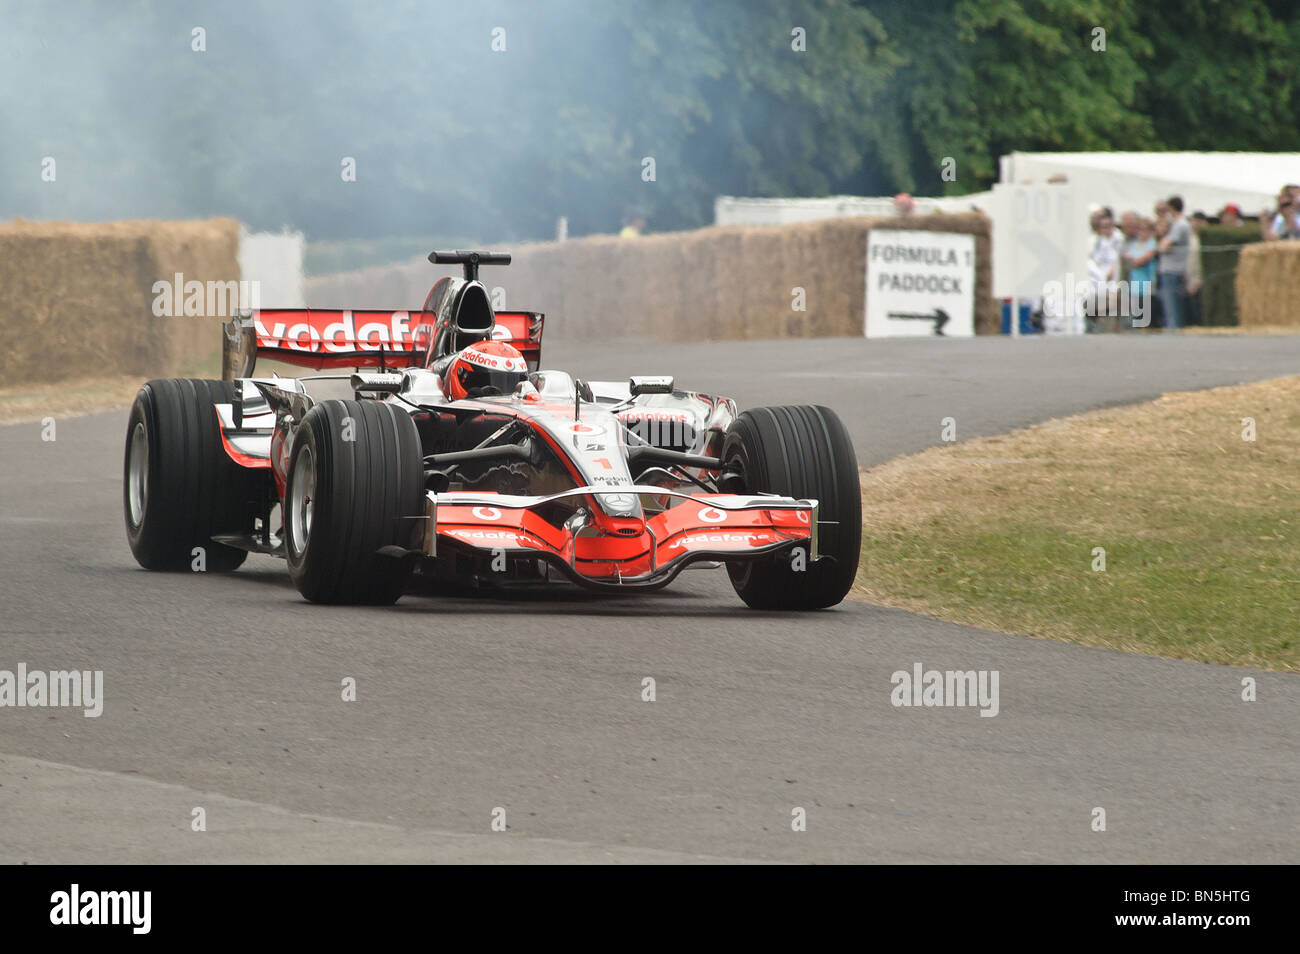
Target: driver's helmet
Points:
x,y
484,368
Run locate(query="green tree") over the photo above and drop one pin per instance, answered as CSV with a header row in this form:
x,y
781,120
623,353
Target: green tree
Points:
x,y
987,77
1222,76
453,137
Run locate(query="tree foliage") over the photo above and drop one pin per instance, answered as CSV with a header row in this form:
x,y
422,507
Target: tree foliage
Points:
x,y
493,119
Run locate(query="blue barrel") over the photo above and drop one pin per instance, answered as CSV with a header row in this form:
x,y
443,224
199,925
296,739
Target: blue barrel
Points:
x,y
1026,311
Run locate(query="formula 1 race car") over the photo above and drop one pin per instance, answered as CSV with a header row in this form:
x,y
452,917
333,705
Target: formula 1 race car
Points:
x,y
451,454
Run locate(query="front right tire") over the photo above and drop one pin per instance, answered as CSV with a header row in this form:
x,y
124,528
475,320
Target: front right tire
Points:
x,y
179,486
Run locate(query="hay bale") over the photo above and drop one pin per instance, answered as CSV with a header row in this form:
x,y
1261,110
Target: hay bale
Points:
x,y
78,298
205,251
837,299
400,286
1268,284
714,287
589,277
606,308
535,281
653,304
768,279
709,284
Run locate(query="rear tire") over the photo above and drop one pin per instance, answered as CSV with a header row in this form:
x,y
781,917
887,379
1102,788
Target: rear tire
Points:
x,y
346,498
179,485
802,452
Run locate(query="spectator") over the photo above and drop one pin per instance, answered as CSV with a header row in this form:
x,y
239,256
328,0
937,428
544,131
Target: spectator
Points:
x,y
1106,225
1274,224
1286,221
1159,229
1080,311
1129,223
1198,221
1230,214
1266,218
1103,269
1172,270
633,224
1140,260
904,204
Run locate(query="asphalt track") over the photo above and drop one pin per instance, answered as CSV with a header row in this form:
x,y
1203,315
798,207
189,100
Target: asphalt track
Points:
x,y
224,692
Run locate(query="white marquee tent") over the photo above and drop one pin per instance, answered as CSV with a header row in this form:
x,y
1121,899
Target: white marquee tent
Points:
x,y
1041,204
1136,180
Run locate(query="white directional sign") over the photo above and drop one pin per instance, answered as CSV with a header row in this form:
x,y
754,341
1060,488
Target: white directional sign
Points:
x,y
920,284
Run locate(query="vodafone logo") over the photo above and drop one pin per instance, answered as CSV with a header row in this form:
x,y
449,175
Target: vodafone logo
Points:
x,y
487,513
580,428
494,536
493,362
335,332
634,417
746,539
711,515
802,515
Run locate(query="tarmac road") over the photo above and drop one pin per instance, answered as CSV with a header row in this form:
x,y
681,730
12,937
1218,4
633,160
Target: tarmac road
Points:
x,y
223,692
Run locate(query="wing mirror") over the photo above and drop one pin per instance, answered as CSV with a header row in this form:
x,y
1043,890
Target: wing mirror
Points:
x,y
651,384
379,382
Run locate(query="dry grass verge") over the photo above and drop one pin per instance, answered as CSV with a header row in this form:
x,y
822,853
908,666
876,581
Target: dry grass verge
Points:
x,y
24,404
1199,528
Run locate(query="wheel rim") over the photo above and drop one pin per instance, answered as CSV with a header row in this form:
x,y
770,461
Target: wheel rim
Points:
x,y
302,499
137,474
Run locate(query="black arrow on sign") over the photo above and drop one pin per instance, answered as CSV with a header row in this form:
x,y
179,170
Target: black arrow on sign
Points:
x,y
939,317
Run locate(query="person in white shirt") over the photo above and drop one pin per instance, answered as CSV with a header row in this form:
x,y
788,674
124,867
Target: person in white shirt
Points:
x,y
1104,270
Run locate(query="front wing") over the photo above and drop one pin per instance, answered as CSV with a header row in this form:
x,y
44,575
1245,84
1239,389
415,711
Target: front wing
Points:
x,y
699,526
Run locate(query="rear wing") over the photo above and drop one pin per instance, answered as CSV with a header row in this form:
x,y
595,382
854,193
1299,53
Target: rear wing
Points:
x,y
523,329
322,338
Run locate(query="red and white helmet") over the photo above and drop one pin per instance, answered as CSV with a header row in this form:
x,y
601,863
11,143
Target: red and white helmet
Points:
x,y
485,368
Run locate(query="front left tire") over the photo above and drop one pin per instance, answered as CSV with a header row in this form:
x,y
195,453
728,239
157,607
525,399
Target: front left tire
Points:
x,y
803,452
355,485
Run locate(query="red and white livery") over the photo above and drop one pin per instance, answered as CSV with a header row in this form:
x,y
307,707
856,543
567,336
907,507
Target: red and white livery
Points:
x,y
432,442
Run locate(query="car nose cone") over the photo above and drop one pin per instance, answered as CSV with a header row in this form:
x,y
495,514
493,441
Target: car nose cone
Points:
x,y
620,505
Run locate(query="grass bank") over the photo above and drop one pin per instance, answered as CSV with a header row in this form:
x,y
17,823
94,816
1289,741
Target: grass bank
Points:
x,y
1198,528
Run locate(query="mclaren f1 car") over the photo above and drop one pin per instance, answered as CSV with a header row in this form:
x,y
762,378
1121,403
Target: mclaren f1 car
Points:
x,y
432,442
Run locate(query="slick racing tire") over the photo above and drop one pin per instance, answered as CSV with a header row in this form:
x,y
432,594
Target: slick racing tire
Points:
x,y
802,452
179,486
355,484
